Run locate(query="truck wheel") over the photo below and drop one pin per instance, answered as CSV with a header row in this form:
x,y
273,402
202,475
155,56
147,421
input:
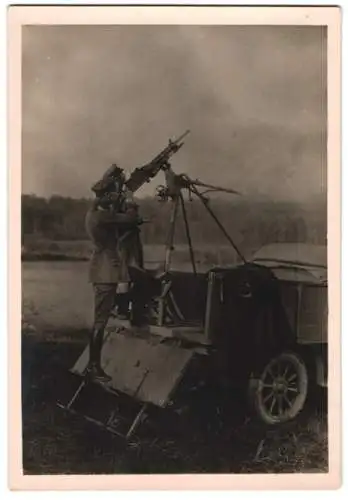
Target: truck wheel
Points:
x,y
280,392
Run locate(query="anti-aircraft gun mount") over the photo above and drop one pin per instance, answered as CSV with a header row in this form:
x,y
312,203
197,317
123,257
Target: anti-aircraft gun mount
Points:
x,y
261,323
144,174
173,191
176,184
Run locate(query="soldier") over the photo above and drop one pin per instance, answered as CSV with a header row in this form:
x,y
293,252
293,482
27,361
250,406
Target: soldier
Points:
x,y
131,254
105,224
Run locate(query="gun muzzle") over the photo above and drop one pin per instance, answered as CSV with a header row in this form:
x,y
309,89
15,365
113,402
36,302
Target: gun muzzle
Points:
x,y
182,136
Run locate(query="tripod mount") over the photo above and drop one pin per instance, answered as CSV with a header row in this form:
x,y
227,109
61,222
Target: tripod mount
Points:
x,y
172,191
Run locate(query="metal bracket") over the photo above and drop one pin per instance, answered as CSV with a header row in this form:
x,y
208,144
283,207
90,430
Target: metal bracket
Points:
x,y
112,422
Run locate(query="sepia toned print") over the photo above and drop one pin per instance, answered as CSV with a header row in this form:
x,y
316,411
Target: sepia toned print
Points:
x,y
174,249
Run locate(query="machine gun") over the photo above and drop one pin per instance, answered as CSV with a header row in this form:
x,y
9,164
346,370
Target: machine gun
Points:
x,y
158,366
144,174
175,184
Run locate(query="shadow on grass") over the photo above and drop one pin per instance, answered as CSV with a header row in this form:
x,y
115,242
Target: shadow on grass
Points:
x,y
208,431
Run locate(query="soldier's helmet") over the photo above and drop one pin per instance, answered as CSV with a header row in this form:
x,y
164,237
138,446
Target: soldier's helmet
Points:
x,y
112,180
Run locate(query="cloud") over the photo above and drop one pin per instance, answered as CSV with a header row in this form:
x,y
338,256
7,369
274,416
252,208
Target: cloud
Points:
x,y
254,98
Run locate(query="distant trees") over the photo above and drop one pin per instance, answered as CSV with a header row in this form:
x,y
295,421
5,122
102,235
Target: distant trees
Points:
x,y
251,223
56,218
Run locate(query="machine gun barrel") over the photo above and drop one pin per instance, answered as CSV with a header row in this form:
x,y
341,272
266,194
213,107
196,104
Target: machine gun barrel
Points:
x,y
144,174
172,148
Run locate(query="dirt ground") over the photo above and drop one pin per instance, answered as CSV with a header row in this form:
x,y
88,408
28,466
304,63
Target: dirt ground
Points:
x,y
208,431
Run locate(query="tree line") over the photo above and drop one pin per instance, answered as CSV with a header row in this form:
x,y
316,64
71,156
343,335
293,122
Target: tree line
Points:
x,y
251,223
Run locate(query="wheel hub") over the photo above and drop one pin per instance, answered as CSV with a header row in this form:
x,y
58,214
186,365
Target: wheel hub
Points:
x,y
280,386
281,389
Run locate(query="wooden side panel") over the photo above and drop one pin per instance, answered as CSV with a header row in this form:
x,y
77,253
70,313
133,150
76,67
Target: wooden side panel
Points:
x,y
313,315
146,371
306,308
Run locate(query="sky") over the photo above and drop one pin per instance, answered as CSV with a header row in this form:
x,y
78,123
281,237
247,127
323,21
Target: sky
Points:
x,y
254,98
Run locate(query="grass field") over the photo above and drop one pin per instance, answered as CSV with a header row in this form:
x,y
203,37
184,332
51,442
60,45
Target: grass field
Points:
x,y
210,431
47,250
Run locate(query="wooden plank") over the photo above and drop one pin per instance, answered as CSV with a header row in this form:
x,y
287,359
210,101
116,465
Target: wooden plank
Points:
x,y
191,334
146,371
190,330
169,366
162,331
194,338
119,323
173,331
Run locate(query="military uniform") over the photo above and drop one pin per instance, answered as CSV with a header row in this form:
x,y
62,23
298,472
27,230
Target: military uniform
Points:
x,y
109,261
129,242
105,224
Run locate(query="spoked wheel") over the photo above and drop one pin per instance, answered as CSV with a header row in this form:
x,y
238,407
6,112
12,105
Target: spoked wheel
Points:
x,y
279,394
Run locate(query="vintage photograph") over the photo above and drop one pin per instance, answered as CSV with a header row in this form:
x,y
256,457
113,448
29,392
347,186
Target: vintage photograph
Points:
x,y
174,266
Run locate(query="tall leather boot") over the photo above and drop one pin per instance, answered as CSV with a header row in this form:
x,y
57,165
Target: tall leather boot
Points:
x,y
122,301
139,309
94,369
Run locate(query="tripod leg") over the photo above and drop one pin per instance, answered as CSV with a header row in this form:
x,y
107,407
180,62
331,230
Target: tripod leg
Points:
x,y
218,223
76,394
188,235
169,246
136,421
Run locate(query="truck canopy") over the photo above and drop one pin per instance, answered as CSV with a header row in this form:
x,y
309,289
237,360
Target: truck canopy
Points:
x,y
294,261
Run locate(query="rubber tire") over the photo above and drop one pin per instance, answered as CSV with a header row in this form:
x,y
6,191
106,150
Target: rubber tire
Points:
x,y
255,385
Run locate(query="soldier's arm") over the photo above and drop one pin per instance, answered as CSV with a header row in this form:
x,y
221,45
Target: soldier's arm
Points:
x,y
118,218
